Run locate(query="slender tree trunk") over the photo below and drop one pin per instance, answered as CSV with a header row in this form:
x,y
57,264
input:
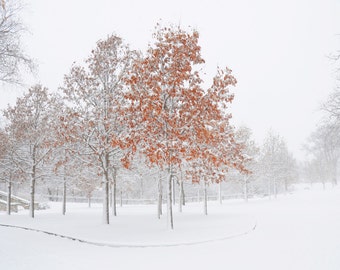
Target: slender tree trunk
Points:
x,y
160,196
64,196
9,196
173,190
335,170
106,216
198,195
33,176
114,192
141,188
31,212
269,188
323,183
245,188
182,189
181,196
106,213
89,200
50,195
111,195
205,199
220,192
169,213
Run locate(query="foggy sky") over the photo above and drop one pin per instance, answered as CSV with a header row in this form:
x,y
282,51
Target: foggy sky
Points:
x,y
277,50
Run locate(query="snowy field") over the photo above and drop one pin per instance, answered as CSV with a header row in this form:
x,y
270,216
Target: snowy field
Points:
x,y
296,231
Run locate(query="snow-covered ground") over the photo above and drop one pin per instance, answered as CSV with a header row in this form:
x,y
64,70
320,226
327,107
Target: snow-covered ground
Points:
x,y
296,231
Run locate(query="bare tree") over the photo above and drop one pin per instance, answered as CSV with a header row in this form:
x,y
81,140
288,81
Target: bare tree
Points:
x,y
277,164
12,55
332,106
324,145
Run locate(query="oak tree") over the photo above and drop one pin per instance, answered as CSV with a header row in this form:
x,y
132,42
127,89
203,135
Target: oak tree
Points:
x,y
94,94
172,114
30,126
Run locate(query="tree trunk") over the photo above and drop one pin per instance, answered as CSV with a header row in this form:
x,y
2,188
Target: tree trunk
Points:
x,y
181,196
323,183
50,195
33,175
245,188
173,191
160,197
269,188
111,195
220,192
141,188
89,200
286,185
64,196
114,192
335,181
9,196
106,212
335,169
182,189
205,199
169,213
106,215
31,212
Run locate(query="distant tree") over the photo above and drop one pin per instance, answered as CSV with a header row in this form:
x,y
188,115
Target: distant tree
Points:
x,y
277,164
316,170
12,56
219,154
251,153
324,143
332,107
324,146
67,168
87,180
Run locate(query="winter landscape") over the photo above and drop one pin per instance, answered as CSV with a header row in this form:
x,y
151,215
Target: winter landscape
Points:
x,y
169,135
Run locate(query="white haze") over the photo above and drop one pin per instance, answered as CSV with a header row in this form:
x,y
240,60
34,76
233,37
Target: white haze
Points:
x,y
277,49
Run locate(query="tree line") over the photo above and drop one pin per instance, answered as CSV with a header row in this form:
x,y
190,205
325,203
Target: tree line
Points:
x,y
120,104
122,111
323,146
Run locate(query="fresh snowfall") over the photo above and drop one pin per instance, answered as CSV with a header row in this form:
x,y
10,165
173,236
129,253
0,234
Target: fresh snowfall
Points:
x,y
299,230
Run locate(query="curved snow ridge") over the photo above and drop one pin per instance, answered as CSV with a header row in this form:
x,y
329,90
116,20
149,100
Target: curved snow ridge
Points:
x,y
117,245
